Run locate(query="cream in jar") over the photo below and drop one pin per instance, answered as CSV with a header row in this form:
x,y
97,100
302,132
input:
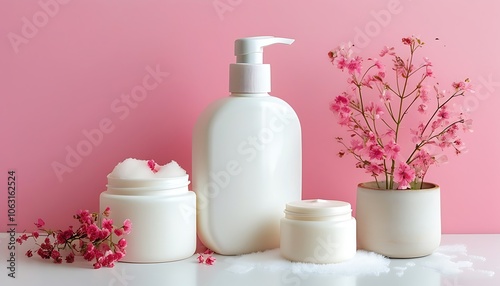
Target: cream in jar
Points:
x,y
162,210
318,231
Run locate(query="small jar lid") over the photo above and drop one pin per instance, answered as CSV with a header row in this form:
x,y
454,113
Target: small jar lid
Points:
x,y
317,209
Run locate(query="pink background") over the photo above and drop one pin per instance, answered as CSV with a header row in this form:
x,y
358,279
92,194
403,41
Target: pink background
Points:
x,y
65,66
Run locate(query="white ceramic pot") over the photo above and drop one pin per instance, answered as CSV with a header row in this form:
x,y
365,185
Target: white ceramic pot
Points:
x,y
398,223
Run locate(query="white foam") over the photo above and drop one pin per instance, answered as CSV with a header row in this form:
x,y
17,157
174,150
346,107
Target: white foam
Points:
x,y
363,263
170,170
453,259
132,168
454,248
446,260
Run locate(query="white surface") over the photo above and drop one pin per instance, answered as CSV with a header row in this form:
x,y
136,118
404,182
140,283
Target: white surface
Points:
x,y
461,260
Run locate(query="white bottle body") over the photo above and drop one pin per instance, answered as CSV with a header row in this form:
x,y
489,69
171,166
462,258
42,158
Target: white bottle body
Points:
x,y
247,164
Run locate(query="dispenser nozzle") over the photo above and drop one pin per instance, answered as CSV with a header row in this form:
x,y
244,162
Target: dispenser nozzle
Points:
x,y
250,50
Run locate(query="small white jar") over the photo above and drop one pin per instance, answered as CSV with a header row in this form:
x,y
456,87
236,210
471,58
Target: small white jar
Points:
x,y
318,231
163,216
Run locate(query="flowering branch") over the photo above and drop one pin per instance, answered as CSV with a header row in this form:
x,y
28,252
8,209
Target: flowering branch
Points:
x,y
89,240
377,149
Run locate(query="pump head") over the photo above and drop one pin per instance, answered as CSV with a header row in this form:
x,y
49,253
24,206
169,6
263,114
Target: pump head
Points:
x,y
250,50
249,74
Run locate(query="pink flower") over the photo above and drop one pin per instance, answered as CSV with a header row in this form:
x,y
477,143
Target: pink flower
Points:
x,y
90,252
370,138
385,96
375,152
35,234
339,102
399,67
118,231
443,113
436,124
210,260
340,105
374,169
84,217
29,253
63,237
404,175
387,51
428,67
127,226
367,81
40,223
392,150
408,41
375,110
200,258
46,242
354,65
428,71
428,62
342,63
70,258
55,255
356,145
107,212
104,233
344,51
93,232
422,108
108,259
380,66
424,94
43,253
122,244
422,162
462,85
22,238
107,223
153,166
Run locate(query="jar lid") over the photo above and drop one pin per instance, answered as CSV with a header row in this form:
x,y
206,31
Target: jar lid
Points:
x,y
317,208
159,183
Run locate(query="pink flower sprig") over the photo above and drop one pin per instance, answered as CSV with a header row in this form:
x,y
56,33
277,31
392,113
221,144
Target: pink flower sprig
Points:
x,y
94,243
375,105
206,257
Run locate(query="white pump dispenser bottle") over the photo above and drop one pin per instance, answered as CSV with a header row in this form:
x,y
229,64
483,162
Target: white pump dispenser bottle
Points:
x,y
247,158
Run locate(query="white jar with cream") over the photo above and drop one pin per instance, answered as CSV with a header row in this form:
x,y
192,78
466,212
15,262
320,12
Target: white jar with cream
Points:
x,y
318,231
162,211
